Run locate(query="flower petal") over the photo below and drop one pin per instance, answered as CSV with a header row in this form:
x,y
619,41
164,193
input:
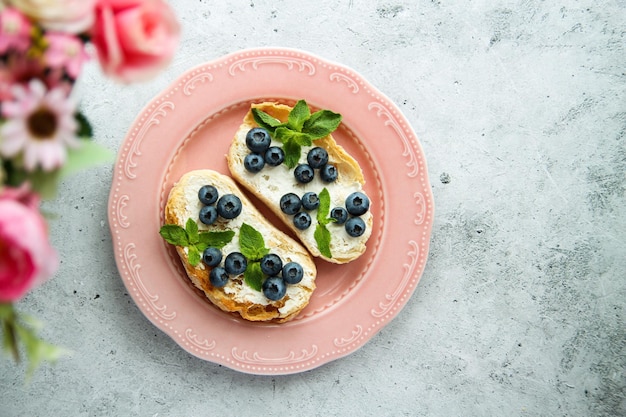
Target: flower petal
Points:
x,y
13,138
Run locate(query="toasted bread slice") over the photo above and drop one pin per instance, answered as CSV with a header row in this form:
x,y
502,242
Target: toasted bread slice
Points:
x,y
271,183
237,296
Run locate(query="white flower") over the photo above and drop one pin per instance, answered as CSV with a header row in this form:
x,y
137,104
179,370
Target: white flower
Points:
x,y
73,16
40,123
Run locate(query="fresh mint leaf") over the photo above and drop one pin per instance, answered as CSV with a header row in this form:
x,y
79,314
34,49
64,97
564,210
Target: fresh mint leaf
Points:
x,y
285,135
191,227
303,139
322,238
266,121
321,123
321,234
251,243
253,276
174,234
324,208
215,239
298,115
193,255
195,241
292,152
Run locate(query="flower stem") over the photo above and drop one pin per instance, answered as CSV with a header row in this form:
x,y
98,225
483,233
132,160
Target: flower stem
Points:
x,y
9,342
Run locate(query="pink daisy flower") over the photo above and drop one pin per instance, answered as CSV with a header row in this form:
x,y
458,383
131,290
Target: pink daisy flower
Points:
x,y
65,51
40,124
15,31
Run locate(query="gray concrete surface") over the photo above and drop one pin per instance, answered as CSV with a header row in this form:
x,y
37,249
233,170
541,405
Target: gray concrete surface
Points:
x,y
521,110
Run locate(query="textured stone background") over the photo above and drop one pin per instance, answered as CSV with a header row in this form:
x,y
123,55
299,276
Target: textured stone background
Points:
x,y
521,110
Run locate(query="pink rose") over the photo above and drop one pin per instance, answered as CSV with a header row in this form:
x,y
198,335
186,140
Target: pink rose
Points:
x,y
15,31
65,51
134,38
26,258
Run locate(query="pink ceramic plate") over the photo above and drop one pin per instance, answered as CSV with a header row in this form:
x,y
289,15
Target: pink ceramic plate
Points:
x,y
189,126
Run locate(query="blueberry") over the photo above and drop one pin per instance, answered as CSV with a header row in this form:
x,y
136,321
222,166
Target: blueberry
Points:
x,y
229,206
303,173
208,215
357,203
218,277
235,263
271,264
212,256
274,156
302,220
274,288
328,173
258,140
317,157
292,273
290,203
208,194
253,162
340,214
355,226
310,201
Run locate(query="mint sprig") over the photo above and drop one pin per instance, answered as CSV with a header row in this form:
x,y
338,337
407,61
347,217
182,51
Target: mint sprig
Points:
x,y
253,276
252,246
251,243
321,234
196,241
298,115
301,128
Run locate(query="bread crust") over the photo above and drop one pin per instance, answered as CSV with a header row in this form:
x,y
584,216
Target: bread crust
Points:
x,y
236,296
343,248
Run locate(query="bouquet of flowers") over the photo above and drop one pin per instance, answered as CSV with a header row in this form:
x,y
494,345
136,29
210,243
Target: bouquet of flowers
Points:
x,y
43,134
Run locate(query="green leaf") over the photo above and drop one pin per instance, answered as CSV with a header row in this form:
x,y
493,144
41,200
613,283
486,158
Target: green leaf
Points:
x,y
265,120
215,239
324,208
251,243
43,351
37,350
6,311
292,152
174,234
193,255
22,329
321,123
43,183
322,238
191,227
84,127
321,234
9,339
253,276
87,155
285,135
298,115
302,139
